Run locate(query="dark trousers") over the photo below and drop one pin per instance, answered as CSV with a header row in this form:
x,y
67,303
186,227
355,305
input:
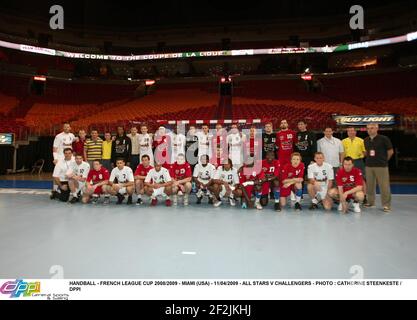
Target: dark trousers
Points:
x,y
134,161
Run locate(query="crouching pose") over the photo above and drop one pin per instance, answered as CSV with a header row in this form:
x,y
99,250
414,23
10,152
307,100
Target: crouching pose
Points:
x,y
181,175
158,182
251,180
61,174
272,169
140,174
77,180
97,178
349,187
320,180
121,182
292,176
203,177
224,182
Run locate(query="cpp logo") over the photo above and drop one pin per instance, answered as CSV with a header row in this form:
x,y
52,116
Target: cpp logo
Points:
x,y
20,287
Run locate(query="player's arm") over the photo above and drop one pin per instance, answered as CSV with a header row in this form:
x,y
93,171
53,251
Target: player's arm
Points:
x,y
185,180
354,190
139,177
102,183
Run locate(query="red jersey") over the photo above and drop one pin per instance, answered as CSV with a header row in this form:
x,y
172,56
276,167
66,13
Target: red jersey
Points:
x,y
271,169
349,180
78,147
95,176
142,171
289,172
286,139
254,176
180,171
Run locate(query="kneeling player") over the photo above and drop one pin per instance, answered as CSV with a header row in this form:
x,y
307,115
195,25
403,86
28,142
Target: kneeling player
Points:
x,y
271,168
292,176
121,182
251,180
224,182
320,180
140,174
97,178
158,182
181,176
203,177
349,187
77,179
61,174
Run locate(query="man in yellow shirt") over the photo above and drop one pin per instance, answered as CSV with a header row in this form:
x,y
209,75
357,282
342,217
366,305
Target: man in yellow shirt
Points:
x,y
107,147
355,148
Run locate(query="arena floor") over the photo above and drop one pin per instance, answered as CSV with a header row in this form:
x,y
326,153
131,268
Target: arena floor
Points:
x,y
113,241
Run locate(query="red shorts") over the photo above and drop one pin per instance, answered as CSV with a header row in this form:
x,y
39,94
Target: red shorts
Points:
x,y
251,189
98,190
286,192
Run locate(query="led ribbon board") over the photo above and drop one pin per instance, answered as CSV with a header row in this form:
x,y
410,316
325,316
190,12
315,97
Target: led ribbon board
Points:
x,y
363,120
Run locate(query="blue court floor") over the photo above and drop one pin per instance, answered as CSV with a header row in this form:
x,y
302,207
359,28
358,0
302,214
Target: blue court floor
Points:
x,y
97,241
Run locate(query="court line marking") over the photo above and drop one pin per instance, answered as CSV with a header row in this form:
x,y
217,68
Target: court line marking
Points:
x,y
189,253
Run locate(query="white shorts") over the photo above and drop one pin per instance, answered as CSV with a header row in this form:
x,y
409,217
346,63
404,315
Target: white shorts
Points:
x,y
323,193
158,192
223,191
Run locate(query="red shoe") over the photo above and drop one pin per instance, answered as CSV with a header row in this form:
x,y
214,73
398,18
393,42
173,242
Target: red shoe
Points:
x,y
168,202
154,202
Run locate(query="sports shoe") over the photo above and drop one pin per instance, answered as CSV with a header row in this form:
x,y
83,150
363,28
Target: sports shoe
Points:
x,y
369,205
199,200
297,206
168,202
313,206
53,195
210,201
356,207
387,209
232,202
154,202
73,200
95,200
106,200
120,198
277,206
244,205
217,203
129,200
258,205
139,202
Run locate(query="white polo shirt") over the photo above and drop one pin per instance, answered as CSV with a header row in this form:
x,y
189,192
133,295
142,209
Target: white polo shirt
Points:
x,y
331,149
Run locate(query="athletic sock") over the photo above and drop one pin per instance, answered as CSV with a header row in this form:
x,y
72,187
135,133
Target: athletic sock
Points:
x,y
276,195
298,194
122,191
315,201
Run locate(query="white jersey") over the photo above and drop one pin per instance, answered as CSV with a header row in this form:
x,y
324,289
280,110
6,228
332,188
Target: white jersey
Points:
x,y
123,176
204,144
178,142
231,176
62,141
320,174
161,176
81,170
63,169
204,174
235,142
145,144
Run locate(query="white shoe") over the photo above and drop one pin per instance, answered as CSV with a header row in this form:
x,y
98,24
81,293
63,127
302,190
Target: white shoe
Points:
x,y
340,207
356,207
175,200
232,202
217,203
258,206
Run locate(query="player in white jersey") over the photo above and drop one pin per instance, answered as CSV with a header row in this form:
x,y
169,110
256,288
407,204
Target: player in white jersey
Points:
x,y
224,181
158,182
62,171
62,141
204,142
203,177
320,178
121,182
145,144
77,178
178,142
235,142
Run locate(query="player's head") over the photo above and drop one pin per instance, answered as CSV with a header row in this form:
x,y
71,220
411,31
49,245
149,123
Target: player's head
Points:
x,y
66,127
158,165
120,163
120,131
302,125
205,128
284,124
234,128
161,131
228,165
348,164
134,130
270,156
144,129
81,134
145,160
328,132
372,129
252,131
191,130
351,132
268,127
295,159
94,134
79,159
181,158
107,136
204,159
68,153
97,165
219,127
319,158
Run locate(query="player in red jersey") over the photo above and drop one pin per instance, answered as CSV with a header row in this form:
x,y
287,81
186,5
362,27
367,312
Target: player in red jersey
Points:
x,y
96,179
181,175
140,174
286,139
292,176
251,180
349,182
272,170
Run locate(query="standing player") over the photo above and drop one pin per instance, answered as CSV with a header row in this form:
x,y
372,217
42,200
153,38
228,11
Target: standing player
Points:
x,y
219,145
121,182
140,175
320,181
224,182
251,181
272,170
178,142
97,179
78,144
145,142
349,187
235,142
158,182
61,174
121,147
62,141
306,143
286,139
202,176
269,139
292,177
192,147
162,144
181,175
204,142
80,170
